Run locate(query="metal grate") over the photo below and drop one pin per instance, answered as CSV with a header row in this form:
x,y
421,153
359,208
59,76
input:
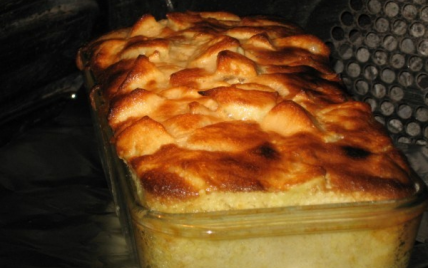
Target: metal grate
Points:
x,y
380,49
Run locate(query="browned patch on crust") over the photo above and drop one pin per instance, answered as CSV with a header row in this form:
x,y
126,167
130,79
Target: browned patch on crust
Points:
x,y
165,184
188,77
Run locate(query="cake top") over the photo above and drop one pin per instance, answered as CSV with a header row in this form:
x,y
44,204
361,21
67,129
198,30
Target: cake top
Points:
x,y
212,102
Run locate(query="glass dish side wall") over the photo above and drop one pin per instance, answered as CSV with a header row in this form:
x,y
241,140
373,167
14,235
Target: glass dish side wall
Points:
x,y
377,248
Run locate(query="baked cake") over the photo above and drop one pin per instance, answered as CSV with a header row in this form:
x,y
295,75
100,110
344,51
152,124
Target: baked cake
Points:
x,y
204,105
215,112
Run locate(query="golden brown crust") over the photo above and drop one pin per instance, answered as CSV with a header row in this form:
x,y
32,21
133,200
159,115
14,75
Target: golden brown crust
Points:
x,y
214,102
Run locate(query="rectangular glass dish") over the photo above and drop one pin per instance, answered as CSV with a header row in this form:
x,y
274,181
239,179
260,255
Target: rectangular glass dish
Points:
x,y
376,234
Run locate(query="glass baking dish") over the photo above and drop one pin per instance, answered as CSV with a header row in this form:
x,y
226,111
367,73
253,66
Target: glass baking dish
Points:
x,y
376,234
